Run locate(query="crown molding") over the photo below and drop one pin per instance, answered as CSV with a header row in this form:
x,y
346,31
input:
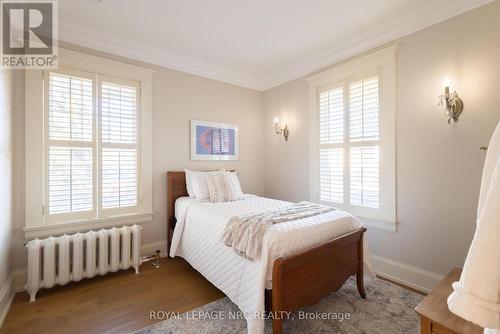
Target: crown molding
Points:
x,y
373,59
405,25
436,12
100,41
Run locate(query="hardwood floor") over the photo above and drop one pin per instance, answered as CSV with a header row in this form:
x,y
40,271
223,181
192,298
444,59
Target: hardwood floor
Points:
x,y
115,303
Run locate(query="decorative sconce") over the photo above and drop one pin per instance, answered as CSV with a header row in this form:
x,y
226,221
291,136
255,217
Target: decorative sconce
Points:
x,y
454,105
280,130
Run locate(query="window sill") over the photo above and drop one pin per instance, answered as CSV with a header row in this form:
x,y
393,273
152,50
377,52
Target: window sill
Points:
x,y
383,225
367,218
85,225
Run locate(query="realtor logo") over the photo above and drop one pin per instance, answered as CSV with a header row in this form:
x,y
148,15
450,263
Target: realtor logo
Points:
x,y
29,34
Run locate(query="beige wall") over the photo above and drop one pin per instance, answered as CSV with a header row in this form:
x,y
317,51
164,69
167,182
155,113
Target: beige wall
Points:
x,y
5,174
438,166
9,87
177,98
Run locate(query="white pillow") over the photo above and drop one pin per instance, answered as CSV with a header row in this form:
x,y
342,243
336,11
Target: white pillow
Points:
x,y
216,187
189,187
233,187
196,184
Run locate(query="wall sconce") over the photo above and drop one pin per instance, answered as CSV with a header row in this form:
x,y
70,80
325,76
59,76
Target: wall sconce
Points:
x,y
280,130
454,105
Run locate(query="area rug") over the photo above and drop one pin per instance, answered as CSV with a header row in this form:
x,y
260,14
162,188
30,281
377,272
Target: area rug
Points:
x,y
387,309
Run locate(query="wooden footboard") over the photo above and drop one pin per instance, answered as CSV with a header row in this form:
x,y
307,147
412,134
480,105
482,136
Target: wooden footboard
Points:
x,y
303,279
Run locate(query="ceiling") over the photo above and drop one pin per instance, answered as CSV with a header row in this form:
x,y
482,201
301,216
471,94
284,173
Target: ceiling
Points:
x,y
252,43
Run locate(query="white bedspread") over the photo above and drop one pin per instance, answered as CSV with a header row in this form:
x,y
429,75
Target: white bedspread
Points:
x,y
197,238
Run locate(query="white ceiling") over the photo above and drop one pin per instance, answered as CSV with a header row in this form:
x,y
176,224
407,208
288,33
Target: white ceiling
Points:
x,y
252,43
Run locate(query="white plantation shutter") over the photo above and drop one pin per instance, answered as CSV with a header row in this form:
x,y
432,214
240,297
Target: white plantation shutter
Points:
x,y
70,174
331,116
364,136
119,178
364,176
119,143
119,113
92,147
331,137
70,179
364,110
71,107
331,175
349,166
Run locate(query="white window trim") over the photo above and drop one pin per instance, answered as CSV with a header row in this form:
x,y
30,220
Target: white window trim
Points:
x,y
36,225
383,61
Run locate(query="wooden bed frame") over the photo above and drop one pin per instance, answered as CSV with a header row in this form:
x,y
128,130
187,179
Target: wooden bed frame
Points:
x,y
301,279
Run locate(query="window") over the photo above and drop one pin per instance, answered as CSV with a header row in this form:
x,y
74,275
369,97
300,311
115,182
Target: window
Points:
x,y
356,150
92,147
352,137
87,124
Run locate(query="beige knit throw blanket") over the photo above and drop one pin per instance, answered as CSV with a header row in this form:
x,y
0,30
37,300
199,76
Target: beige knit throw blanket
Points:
x,y
245,233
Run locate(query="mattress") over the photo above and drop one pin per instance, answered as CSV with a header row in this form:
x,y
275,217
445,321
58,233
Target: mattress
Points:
x,y
197,238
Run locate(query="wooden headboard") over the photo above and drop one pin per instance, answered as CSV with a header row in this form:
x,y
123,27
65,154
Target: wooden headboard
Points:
x,y
176,187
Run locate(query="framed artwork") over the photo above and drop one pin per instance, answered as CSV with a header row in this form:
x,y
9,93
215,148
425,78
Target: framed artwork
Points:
x,y
213,141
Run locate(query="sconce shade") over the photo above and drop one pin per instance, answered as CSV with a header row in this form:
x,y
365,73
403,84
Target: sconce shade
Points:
x,y
476,296
284,131
453,104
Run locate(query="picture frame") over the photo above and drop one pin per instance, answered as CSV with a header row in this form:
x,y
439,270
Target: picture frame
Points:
x,y
214,141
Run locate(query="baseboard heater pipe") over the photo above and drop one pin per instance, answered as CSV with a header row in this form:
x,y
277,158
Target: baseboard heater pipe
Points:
x,y
155,258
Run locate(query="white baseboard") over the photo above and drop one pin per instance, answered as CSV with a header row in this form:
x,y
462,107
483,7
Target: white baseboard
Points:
x,y
382,225
20,275
413,277
7,293
150,249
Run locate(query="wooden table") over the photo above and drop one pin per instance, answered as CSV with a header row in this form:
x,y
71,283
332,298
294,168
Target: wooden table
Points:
x,y
435,318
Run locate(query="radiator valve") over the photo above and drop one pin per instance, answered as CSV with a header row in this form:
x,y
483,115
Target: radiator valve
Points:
x,y
156,262
155,258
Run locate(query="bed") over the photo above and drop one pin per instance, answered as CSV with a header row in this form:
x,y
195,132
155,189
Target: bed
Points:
x,y
301,261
